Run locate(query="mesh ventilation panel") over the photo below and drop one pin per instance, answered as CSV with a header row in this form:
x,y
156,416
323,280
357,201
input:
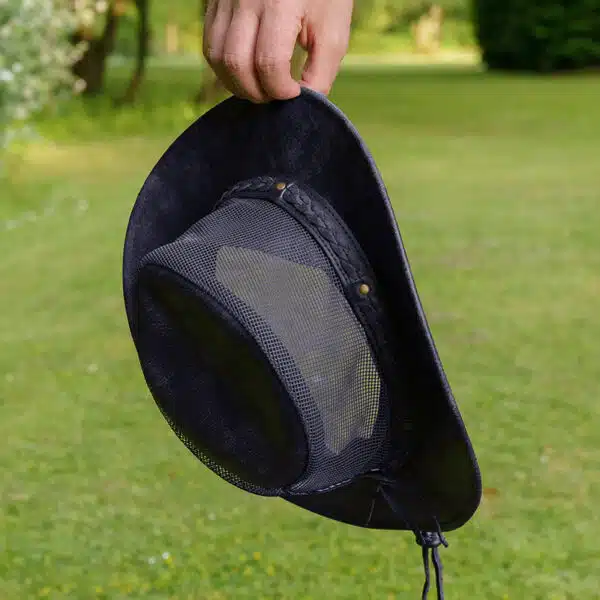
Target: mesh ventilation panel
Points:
x,y
261,267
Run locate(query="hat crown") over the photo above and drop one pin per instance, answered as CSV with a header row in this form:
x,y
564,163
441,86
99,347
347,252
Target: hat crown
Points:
x,y
301,404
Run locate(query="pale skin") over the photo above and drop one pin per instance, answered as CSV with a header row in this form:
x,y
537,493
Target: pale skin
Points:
x,y
250,43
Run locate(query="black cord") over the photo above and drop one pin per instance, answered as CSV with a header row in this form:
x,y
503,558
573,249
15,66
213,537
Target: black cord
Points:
x,y
437,565
426,568
439,579
429,541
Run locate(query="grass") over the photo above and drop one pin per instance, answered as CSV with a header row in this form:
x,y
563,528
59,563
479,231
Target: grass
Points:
x,y
495,182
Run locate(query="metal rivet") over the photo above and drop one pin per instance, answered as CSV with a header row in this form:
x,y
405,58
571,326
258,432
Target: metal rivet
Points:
x,y
364,289
280,186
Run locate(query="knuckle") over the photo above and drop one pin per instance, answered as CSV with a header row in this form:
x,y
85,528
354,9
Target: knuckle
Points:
x,y
233,62
212,55
268,64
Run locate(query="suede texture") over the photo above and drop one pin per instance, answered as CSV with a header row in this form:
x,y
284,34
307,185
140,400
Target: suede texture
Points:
x,y
308,140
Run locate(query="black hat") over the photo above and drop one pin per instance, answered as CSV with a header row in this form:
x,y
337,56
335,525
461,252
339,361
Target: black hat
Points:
x,y
278,327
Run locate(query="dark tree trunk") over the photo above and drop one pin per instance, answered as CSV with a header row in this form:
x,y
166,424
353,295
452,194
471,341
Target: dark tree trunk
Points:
x,y
143,46
91,66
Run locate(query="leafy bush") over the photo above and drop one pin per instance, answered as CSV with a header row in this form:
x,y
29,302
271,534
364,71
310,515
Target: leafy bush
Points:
x,y
35,60
370,15
545,35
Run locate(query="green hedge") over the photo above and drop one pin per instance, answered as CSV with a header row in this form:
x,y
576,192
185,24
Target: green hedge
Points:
x,y
538,35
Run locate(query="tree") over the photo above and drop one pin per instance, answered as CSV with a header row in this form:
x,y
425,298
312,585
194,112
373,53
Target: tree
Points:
x,y
98,25
544,36
143,48
99,42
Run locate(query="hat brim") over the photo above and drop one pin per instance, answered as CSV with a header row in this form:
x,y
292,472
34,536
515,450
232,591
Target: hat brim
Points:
x,y
311,140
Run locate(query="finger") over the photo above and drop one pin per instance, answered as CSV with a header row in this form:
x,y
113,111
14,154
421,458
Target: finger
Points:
x,y
218,19
238,55
324,59
210,12
275,44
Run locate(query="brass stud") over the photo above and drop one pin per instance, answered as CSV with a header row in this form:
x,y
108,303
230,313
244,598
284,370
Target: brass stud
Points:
x,y
364,289
280,186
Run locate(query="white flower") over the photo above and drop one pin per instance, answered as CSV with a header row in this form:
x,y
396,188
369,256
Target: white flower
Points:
x,y
6,75
88,16
79,86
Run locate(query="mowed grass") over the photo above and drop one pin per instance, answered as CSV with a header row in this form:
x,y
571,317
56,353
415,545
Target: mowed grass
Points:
x,y
496,185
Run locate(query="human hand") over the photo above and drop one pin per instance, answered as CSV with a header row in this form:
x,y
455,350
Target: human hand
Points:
x,y
250,43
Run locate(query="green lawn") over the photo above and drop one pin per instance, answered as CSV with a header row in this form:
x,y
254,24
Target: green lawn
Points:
x,y
496,185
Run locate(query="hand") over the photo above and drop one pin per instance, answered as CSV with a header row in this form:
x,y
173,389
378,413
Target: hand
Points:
x,y
249,44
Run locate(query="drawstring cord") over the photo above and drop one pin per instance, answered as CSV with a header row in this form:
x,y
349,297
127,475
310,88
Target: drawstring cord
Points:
x,y
430,546
429,541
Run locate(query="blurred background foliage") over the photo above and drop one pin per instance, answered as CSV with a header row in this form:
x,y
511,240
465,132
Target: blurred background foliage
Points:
x,y
544,36
46,44
76,41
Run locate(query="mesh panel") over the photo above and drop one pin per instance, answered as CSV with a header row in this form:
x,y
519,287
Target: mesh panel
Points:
x,y
267,271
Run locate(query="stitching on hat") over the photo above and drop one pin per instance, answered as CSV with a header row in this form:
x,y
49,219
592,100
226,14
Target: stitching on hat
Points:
x,y
345,251
303,202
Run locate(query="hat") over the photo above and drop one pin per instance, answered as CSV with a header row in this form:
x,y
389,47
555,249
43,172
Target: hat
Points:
x,y
278,327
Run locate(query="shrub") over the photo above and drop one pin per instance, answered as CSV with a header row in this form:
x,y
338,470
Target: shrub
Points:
x,y
545,35
35,60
